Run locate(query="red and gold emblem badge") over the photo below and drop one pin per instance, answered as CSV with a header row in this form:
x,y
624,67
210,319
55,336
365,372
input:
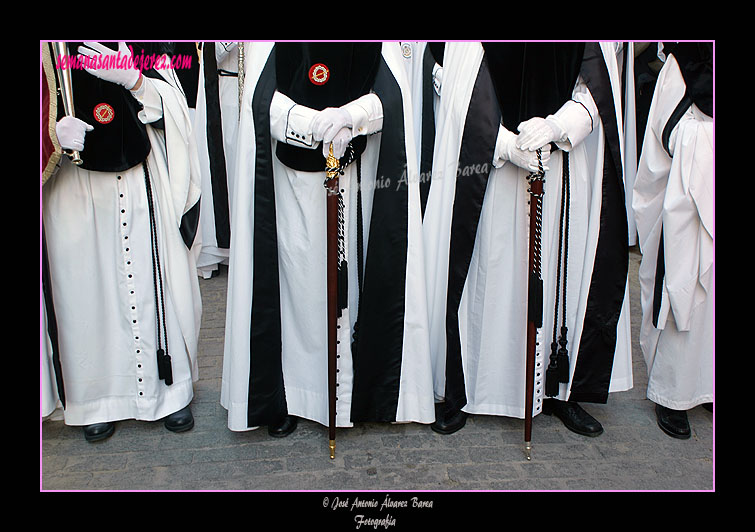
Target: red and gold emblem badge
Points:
x,y
104,113
319,74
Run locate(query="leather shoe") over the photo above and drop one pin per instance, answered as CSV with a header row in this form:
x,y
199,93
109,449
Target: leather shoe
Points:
x,y
449,422
283,428
573,417
180,421
673,422
98,431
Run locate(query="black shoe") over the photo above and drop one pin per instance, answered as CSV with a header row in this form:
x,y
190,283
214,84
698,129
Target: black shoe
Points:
x,y
573,417
180,421
708,407
450,422
673,422
283,428
98,431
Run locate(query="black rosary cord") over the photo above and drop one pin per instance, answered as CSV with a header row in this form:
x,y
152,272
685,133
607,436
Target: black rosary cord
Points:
x,y
157,280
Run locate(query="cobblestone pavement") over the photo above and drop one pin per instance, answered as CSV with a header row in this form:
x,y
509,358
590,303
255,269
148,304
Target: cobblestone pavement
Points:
x,y
632,454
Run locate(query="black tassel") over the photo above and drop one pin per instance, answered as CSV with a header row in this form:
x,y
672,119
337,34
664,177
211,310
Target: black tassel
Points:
x,y
168,370
343,286
160,364
563,357
535,303
355,340
164,367
552,373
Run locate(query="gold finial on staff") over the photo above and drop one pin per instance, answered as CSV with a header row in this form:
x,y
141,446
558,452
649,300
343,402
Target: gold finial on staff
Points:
x,y
331,164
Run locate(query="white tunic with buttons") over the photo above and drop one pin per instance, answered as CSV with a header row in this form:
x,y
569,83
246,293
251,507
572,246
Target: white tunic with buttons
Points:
x,y
98,236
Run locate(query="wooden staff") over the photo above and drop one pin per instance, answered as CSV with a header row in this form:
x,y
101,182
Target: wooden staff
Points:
x,y
535,296
331,185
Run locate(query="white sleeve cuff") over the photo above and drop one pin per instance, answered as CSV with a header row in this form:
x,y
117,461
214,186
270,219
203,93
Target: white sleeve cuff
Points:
x,y
578,117
366,114
149,97
577,120
222,49
290,122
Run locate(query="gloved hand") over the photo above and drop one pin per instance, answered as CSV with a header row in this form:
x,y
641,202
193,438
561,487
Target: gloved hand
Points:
x,y
71,132
508,151
537,132
124,76
328,122
340,143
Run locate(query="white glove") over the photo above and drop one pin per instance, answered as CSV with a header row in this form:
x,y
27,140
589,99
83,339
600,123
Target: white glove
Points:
x,y
328,122
340,143
124,76
507,150
537,132
71,132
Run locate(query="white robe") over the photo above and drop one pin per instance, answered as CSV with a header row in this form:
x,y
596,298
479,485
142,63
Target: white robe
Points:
x,y
492,316
675,194
300,218
49,402
97,229
212,253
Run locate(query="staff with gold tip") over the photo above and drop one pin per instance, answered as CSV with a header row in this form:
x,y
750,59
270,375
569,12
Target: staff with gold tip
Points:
x,y
535,294
333,207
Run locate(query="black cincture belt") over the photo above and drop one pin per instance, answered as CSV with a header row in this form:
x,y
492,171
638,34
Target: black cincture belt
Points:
x,y
308,160
164,366
558,367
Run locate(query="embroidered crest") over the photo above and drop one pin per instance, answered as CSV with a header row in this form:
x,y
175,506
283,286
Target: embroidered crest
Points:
x,y
104,113
319,74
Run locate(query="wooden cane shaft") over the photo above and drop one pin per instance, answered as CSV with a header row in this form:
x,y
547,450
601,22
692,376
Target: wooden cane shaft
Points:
x,y
529,384
332,293
536,187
